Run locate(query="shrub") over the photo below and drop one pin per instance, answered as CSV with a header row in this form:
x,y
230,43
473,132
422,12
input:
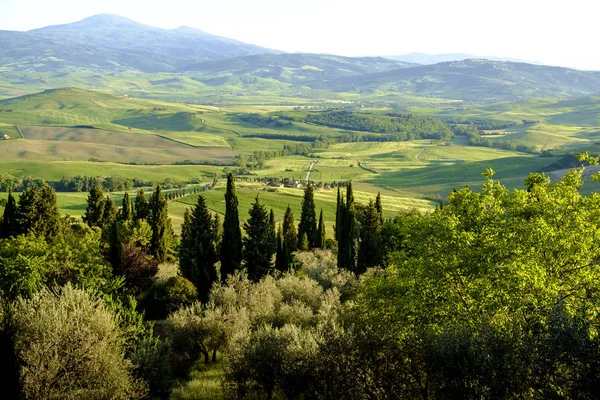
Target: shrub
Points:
x,y
167,296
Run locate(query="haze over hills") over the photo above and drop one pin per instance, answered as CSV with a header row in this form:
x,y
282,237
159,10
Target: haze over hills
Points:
x,y
427,59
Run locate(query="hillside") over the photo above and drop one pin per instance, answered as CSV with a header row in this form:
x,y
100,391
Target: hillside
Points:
x,y
478,80
311,69
113,43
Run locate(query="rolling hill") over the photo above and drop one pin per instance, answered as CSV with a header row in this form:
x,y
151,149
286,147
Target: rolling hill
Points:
x,y
111,43
478,80
311,69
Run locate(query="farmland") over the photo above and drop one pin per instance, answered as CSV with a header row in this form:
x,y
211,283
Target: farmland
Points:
x,y
73,132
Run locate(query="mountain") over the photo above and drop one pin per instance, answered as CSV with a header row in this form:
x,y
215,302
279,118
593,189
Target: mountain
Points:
x,y
300,69
112,43
477,80
428,59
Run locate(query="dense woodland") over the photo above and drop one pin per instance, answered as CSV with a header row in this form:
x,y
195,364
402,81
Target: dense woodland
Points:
x,y
492,295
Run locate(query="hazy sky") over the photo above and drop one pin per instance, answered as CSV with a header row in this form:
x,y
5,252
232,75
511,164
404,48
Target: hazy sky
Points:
x,y
550,31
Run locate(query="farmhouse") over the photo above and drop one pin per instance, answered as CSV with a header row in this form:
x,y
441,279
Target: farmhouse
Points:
x,y
5,137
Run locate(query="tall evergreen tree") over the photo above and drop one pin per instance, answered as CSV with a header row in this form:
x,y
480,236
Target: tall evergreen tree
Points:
x,y
347,231
38,212
126,210
290,237
272,228
308,217
231,244
321,235
198,252
218,229
94,211
378,207
160,224
110,212
281,256
303,244
116,249
339,215
369,251
9,220
142,209
258,244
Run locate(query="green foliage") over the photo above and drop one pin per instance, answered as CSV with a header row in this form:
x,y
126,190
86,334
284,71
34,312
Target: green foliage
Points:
x,y
165,297
321,234
126,213
259,245
21,275
308,217
141,209
347,231
369,248
290,236
198,252
8,226
38,212
71,346
94,212
231,244
161,226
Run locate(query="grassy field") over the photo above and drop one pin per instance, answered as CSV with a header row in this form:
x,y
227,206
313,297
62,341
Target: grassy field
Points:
x,y
70,132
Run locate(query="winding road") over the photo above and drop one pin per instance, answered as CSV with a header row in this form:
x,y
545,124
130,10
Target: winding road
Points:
x,y
309,171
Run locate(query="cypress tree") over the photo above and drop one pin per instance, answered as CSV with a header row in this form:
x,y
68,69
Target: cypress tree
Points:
x,y
290,237
141,208
308,217
38,212
94,211
126,211
198,253
258,244
160,224
9,220
378,207
109,212
231,244
218,229
339,211
116,249
346,231
303,245
272,228
321,235
369,252
281,257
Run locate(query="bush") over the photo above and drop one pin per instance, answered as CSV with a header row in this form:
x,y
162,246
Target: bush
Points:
x,y
167,296
139,269
70,346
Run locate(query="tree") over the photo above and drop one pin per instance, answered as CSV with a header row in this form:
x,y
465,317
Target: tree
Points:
x,y
160,224
272,228
258,244
308,217
94,211
38,212
110,212
71,345
290,237
282,260
9,220
126,211
369,251
116,249
379,207
346,231
231,244
321,235
303,245
141,209
198,252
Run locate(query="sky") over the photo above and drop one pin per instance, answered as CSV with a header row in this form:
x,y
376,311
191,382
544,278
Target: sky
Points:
x,y
553,32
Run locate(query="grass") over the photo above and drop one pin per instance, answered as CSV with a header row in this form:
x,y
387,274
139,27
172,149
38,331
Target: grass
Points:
x,y
205,383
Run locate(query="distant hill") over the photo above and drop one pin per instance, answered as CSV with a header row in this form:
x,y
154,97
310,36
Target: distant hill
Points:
x,y
428,59
478,80
111,43
313,69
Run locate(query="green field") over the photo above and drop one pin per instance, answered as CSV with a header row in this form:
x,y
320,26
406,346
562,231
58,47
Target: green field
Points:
x,y
70,132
